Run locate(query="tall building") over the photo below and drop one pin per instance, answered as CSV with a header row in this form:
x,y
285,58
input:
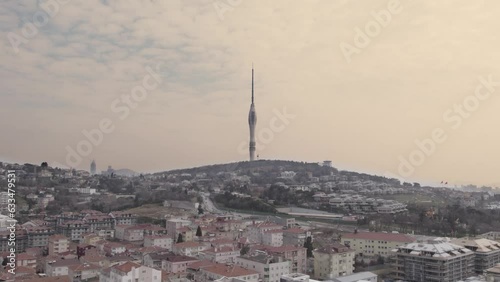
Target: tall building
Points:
x,y
93,168
437,260
252,121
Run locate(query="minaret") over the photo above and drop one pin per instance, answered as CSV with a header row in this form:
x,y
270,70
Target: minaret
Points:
x,y
252,121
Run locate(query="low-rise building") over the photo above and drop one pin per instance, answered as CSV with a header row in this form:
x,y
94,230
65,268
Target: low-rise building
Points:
x,y
297,255
221,271
128,272
158,241
270,268
273,237
220,254
58,244
333,261
375,243
295,236
189,248
357,277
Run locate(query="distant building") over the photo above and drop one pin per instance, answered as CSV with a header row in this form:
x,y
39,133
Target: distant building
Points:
x,y
327,163
333,261
375,243
436,260
93,168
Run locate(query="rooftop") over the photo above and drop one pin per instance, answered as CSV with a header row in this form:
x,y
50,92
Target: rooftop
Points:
x,y
380,236
229,271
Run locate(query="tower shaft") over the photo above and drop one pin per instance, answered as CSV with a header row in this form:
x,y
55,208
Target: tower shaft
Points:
x,y
252,121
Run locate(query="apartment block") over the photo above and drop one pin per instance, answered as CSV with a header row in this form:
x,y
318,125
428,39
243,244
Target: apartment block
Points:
x,y
375,243
58,244
333,261
270,268
487,252
433,261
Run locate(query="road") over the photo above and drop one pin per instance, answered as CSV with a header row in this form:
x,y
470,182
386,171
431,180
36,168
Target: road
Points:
x,y
209,206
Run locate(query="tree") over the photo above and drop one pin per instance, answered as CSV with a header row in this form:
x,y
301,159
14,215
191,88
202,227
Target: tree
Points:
x,y
44,165
200,210
180,239
308,244
244,250
198,231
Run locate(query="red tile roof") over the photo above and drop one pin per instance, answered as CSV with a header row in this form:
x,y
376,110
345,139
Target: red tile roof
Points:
x,y
127,267
229,271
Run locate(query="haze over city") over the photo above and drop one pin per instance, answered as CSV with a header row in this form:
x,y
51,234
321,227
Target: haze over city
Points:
x,y
361,101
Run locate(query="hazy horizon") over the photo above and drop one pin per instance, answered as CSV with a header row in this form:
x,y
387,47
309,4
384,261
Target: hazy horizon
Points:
x,y
388,98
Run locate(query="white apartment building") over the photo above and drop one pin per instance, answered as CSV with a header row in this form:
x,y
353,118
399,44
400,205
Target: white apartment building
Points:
x,y
158,241
375,243
333,261
270,268
273,238
221,254
58,244
130,272
228,273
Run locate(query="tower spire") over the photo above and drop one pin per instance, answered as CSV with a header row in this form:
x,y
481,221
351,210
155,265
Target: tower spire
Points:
x,y
252,83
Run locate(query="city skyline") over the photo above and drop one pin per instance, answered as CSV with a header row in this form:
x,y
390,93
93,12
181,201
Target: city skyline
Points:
x,y
368,86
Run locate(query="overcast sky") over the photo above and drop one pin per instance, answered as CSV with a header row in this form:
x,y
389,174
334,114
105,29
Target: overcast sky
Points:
x,y
361,104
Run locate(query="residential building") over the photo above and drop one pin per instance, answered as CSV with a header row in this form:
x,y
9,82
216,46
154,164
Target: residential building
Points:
x,y
375,243
74,229
294,277
38,236
357,277
189,248
295,236
297,255
59,267
435,260
220,254
25,259
99,222
221,271
123,218
333,261
83,272
158,241
173,224
270,268
255,231
169,262
273,238
129,233
487,252
493,273
58,244
128,272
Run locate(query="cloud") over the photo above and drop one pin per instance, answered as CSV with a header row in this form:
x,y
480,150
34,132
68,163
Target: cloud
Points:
x,y
361,115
